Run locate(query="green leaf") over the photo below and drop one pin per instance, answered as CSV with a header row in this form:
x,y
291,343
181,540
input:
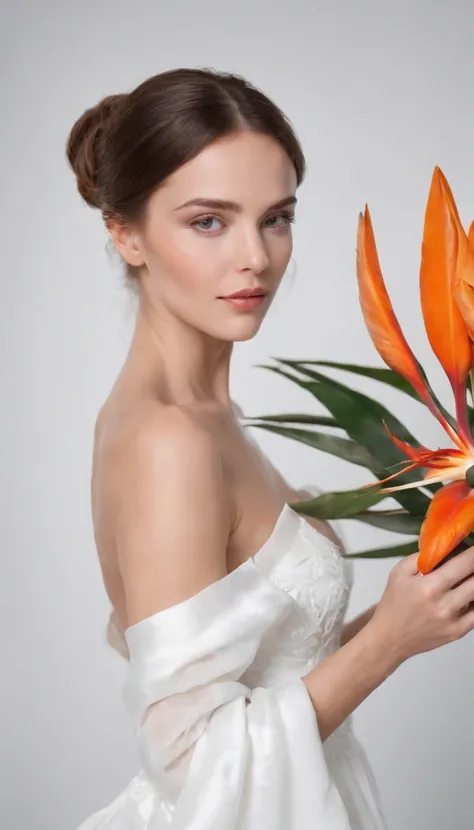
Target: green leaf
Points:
x,y
383,375
368,407
343,504
333,444
470,395
398,382
396,521
470,413
432,487
320,420
296,418
384,553
362,418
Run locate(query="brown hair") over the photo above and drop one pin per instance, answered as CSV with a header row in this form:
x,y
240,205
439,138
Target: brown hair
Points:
x,y
122,149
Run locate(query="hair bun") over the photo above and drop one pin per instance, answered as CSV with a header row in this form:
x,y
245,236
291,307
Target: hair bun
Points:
x,y
86,143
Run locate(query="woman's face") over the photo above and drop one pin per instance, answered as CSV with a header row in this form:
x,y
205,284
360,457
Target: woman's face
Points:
x,y
197,251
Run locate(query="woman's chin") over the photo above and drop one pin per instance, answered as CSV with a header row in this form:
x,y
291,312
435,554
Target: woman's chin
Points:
x,y
244,325
243,330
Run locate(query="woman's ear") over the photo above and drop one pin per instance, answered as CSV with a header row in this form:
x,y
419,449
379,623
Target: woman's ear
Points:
x,y
127,242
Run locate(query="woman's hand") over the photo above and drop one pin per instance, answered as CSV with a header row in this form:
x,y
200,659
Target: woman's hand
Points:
x,y
418,613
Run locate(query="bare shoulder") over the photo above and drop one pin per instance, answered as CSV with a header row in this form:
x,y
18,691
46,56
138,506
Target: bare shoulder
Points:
x,y
160,432
172,509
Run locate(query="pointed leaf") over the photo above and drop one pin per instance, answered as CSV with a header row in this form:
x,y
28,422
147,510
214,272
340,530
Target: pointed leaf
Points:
x,y
362,418
396,521
387,376
296,418
298,366
370,406
382,374
383,553
334,445
431,487
342,504
310,373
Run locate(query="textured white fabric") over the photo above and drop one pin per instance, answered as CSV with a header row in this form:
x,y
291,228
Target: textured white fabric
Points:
x,y
227,733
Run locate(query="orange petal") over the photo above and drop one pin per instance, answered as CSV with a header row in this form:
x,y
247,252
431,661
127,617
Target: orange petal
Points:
x,y
443,240
379,316
464,295
452,458
464,288
382,323
441,465
450,518
444,323
415,453
470,234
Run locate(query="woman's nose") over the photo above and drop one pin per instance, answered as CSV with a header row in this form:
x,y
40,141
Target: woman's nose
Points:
x,y
251,252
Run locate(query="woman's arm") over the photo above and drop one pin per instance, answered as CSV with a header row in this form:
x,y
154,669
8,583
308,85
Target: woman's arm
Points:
x,y
350,629
173,512
341,682
362,661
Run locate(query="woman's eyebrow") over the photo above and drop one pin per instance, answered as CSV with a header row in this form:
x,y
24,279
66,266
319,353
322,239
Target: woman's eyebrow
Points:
x,y
220,204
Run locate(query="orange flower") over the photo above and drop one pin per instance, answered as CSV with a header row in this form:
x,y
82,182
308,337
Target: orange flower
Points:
x,y
447,302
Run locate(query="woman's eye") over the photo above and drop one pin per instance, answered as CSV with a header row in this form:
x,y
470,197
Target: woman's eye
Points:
x,y
286,217
205,224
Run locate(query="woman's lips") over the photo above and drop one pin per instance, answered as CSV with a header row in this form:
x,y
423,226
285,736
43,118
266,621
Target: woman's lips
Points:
x,y
246,303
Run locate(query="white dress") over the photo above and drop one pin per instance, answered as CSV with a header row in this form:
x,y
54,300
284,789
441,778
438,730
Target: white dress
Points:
x,y
226,730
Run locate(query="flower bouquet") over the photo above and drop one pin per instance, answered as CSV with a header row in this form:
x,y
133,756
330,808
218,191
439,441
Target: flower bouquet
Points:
x,y
433,487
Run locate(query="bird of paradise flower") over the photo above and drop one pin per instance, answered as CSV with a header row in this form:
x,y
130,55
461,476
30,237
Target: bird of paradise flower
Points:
x,y
447,303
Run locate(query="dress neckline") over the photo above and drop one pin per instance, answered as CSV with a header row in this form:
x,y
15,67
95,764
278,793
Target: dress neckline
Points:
x,y
281,537
277,544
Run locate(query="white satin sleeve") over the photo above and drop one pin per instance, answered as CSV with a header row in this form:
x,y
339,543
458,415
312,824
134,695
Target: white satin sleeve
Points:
x,y
224,756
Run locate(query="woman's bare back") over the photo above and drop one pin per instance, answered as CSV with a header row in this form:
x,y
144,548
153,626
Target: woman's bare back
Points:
x,y
254,491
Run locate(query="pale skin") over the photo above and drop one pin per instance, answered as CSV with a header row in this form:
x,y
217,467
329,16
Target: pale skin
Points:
x,y
180,497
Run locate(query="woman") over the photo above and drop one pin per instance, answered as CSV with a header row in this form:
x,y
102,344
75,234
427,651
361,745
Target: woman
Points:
x,y
227,604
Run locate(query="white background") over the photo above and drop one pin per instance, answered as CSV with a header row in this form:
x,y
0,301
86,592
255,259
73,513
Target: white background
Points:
x,y
379,93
